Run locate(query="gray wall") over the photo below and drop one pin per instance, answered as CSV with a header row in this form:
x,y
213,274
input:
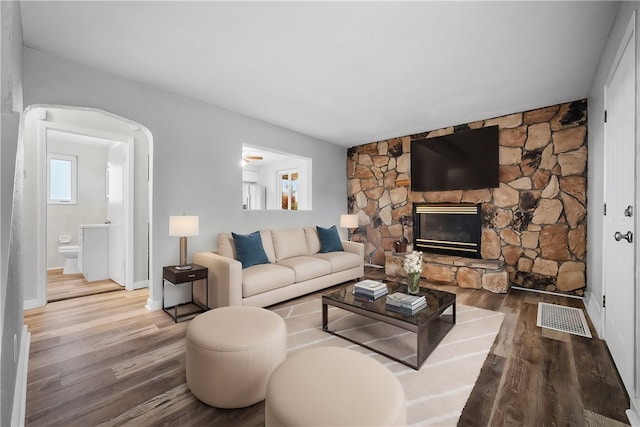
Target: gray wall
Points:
x,y
595,187
11,300
11,312
196,155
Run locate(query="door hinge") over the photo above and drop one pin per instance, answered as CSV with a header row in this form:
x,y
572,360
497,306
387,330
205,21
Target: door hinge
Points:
x,y
604,301
605,209
605,116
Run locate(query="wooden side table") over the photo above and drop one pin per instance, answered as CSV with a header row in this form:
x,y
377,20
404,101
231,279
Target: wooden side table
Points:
x,y
176,277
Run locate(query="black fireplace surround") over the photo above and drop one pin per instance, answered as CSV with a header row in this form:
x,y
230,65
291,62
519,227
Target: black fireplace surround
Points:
x,y
448,228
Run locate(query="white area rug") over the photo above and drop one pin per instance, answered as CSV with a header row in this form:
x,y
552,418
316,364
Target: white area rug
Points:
x,y
438,392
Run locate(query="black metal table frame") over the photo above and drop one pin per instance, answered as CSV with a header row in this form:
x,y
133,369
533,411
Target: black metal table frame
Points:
x,y
185,316
424,346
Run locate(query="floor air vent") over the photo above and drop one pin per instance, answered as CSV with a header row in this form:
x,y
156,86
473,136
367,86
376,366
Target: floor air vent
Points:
x,y
563,319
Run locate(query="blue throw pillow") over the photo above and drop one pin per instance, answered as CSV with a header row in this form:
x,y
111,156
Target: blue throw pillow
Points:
x,y
249,248
329,239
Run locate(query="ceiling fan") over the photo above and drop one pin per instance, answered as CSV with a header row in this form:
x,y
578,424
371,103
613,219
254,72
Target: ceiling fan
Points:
x,y
246,158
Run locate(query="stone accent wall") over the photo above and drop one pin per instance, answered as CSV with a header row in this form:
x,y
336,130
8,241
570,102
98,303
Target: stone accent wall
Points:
x,y
535,221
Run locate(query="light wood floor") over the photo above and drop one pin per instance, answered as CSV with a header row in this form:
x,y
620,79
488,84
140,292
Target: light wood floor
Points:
x,y
104,359
65,286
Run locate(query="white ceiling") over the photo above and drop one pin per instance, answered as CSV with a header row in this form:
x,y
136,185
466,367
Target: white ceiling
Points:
x,y
268,155
345,72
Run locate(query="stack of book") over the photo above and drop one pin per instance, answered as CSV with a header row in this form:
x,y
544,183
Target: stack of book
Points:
x,y
370,289
405,303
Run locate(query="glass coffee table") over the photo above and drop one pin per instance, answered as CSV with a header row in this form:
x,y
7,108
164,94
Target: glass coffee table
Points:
x,y
430,324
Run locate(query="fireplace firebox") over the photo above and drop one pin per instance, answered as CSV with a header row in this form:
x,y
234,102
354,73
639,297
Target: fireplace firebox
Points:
x,y
448,229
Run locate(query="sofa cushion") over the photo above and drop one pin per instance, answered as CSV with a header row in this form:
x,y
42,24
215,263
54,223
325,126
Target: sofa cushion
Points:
x,y
227,248
249,249
289,243
265,277
329,239
340,261
307,267
313,242
267,244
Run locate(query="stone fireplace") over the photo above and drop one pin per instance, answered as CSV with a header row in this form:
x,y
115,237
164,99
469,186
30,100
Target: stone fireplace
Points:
x,y
447,228
534,222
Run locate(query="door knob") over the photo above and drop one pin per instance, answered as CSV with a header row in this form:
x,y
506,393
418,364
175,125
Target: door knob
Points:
x,y
628,236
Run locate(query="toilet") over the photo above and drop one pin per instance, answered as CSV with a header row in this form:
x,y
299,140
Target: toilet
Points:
x,y
70,253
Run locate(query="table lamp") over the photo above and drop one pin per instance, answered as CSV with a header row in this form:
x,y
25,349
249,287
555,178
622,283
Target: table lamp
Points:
x,y
183,226
350,222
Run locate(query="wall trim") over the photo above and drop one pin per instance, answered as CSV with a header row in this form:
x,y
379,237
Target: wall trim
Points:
x,y
633,414
594,310
539,291
141,284
34,303
153,305
20,392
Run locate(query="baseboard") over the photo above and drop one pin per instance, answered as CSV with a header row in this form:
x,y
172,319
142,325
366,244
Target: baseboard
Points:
x,y
20,392
539,291
633,413
33,303
595,314
153,305
141,284
366,264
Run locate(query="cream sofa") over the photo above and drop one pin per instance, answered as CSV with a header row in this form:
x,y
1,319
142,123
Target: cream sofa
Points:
x,y
296,267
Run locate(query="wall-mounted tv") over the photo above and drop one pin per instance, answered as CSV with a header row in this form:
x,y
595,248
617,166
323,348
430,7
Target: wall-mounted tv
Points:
x,y
460,161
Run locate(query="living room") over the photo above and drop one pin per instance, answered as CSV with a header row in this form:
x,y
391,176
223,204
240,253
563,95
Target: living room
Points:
x,y
196,147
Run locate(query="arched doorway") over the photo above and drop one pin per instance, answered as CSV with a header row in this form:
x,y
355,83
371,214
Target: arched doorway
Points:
x,y
130,236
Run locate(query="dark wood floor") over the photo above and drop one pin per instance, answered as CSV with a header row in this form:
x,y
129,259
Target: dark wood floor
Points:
x,y
104,359
65,286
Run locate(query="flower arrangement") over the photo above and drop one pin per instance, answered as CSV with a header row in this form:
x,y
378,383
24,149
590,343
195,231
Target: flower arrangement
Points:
x,y
413,266
413,262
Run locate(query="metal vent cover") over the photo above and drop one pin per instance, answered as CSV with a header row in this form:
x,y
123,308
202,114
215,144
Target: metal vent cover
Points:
x,y
563,319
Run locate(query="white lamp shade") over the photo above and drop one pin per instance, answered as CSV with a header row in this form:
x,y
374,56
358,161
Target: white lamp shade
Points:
x,y
184,226
349,221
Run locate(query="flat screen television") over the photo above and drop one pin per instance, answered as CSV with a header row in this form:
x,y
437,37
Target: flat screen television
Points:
x,y
461,161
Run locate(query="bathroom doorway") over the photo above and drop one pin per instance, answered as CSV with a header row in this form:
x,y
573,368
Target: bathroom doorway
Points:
x,y
87,202
113,189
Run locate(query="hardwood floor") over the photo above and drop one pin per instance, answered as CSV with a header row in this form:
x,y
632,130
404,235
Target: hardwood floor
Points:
x,y
65,286
105,360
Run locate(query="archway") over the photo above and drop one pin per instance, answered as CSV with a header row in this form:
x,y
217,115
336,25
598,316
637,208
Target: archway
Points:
x,y
39,122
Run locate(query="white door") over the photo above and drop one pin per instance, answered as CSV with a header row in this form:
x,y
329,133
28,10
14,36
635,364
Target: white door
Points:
x,y
116,162
619,221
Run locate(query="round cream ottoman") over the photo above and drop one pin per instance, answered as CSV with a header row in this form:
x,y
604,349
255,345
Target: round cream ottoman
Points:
x,y
231,352
332,386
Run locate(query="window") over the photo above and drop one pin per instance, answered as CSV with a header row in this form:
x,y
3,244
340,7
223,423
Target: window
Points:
x,y
289,189
62,179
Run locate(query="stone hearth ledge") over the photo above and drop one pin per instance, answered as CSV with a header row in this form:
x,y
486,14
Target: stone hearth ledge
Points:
x,y
464,272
